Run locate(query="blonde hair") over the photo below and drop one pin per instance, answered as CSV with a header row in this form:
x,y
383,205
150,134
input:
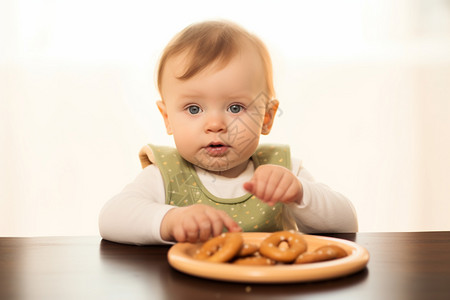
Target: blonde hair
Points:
x,y
213,41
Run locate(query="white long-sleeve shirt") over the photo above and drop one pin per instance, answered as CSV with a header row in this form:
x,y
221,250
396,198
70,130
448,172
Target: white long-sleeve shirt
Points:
x,y
134,216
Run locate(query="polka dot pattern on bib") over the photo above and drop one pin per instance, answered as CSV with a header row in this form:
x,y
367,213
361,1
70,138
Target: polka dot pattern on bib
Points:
x,y
183,188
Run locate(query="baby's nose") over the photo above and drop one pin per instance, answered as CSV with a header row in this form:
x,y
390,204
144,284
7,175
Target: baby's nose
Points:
x,y
215,122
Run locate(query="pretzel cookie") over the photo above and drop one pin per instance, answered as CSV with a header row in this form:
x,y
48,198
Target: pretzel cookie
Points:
x,y
221,248
270,246
248,249
323,253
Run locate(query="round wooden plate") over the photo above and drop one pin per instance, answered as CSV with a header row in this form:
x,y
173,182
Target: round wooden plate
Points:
x,y
180,257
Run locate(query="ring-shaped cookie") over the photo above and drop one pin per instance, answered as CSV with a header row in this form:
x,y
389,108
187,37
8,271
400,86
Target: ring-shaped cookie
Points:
x,y
247,250
323,253
221,248
270,246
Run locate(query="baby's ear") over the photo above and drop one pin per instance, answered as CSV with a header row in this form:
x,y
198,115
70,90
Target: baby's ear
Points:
x,y
163,110
269,116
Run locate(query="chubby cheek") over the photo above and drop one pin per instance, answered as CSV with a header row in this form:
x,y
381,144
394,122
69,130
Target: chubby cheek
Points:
x,y
179,123
184,136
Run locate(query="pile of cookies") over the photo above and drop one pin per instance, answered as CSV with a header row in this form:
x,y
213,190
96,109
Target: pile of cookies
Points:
x,y
282,247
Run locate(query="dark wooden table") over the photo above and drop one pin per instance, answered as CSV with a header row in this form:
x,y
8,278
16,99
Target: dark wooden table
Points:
x,y
402,266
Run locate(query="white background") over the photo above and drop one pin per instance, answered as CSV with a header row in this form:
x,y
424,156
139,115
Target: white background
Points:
x,y
364,88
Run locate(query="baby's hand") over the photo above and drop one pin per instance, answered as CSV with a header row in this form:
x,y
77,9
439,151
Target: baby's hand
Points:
x,y
272,184
195,223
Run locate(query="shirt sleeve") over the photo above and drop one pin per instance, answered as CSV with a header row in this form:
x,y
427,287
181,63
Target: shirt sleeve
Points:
x,y
134,215
322,210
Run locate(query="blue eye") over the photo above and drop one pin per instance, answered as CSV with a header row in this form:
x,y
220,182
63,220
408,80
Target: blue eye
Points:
x,y
194,109
235,108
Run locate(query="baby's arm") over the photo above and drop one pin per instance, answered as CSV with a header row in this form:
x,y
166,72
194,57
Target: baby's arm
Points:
x,y
139,215
322,209
134,215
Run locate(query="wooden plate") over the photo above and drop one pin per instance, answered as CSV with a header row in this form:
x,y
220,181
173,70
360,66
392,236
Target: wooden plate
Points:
x,y
180,257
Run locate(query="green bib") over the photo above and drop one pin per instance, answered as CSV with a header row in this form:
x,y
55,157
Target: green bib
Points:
x,y
183,187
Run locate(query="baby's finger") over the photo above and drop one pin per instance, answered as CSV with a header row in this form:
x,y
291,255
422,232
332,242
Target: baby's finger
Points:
x,y
272,188
179,234
293,193
204,227
216,222
259,185
229,223
280,192
191,230
249,187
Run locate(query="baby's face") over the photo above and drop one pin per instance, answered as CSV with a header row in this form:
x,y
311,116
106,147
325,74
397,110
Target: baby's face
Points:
x,y
217,115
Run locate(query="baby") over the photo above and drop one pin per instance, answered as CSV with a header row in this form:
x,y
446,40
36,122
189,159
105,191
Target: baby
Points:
x,y
217,98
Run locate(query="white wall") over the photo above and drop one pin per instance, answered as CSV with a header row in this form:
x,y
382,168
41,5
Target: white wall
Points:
x,y
364,89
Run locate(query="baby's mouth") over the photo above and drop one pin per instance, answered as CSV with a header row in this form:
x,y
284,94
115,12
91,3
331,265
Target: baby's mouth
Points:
x,y
216,149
